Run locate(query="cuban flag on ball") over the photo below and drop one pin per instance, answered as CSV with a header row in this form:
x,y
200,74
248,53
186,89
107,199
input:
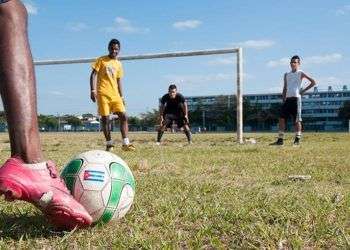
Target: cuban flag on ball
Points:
x,y
93,175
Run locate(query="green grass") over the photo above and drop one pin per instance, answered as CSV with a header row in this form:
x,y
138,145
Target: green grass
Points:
x,y
212,194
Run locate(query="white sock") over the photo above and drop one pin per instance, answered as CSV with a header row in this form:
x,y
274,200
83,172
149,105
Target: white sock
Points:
x,y
126,141
298,134
110,143
40,165
280,134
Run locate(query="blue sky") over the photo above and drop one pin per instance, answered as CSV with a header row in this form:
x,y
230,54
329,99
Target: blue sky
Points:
x,y
269,31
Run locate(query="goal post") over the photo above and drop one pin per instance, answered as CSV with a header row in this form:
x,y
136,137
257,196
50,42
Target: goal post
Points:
x,y
239,71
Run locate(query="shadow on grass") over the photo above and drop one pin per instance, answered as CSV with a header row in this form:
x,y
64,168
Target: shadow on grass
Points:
x,y
25,226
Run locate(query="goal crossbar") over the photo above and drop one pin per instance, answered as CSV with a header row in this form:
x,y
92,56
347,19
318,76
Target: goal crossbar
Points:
x,y
238,70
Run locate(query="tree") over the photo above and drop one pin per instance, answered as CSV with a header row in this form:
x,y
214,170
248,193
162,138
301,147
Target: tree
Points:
x,y
150,118
2,117
48,122
134,123
74,121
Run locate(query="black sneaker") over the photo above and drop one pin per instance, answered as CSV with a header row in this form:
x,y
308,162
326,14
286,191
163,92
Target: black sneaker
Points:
x,y
296,141
109,148
279,142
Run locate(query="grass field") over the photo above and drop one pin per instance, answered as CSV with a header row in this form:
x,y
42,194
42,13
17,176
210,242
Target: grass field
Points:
x,y
212,194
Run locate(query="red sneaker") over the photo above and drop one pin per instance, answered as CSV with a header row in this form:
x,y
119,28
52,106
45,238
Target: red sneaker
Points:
x,y
44,188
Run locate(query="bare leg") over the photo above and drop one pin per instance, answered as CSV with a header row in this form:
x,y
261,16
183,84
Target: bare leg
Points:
x,y
282,128
106,127
282,125
17,83
297,127
124,127
297,131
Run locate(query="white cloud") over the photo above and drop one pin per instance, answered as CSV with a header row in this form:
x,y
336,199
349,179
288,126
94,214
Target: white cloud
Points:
x,y
280,62
32,9
330,58
343,10
76,27
311,60
255,44
124,25
187,24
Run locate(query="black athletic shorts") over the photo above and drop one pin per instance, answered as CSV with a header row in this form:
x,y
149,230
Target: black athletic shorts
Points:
x,y
291,108
169,119
3,1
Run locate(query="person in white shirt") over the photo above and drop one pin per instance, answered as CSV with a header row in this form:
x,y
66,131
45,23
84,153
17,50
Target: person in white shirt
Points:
x,y
291,107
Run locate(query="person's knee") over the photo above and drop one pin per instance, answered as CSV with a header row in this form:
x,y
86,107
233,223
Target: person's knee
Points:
x,y
104,119
122,116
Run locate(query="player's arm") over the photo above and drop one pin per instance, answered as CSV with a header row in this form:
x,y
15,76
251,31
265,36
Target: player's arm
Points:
x,y
186,111
161,112
284,92
184,107
93,85
311,80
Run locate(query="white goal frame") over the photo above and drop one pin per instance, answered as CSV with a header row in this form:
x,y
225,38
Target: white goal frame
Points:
x,y
239,69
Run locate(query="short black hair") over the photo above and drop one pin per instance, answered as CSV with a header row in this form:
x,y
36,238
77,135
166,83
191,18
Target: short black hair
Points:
x,y
172,86
113,41
295,57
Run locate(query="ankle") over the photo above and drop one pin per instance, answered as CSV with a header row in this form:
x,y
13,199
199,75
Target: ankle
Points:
x,y
126,141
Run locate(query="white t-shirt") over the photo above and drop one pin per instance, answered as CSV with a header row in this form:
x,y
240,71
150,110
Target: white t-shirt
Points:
x,y
294,82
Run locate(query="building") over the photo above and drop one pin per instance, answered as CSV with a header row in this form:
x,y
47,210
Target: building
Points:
x,y
319,107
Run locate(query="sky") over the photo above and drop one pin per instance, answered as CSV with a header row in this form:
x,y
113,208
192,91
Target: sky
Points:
x,y
270,32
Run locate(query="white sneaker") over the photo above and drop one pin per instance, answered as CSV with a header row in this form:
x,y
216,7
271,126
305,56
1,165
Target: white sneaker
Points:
x,y
158,143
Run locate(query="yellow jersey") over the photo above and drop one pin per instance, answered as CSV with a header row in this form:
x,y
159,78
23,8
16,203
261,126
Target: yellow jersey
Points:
x,y
108,71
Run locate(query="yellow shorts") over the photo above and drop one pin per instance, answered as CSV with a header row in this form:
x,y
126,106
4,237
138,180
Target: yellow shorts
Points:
x,y
107,105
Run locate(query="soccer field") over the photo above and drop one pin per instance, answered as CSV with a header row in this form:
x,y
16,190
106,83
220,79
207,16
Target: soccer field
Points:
x,y
213,193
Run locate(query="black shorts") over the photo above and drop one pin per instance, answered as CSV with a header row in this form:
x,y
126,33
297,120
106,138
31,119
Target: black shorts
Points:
x,y
291,108
170,119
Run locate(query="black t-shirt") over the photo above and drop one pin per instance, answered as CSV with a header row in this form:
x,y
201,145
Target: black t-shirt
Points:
x,y
173,106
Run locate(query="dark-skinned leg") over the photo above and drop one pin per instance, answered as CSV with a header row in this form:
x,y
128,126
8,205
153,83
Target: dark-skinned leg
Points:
x,y
17,83
124,127
281,127
106,127
36,182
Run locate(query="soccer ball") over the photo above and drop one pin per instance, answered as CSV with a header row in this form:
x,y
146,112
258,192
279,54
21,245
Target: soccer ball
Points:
x,y
102,182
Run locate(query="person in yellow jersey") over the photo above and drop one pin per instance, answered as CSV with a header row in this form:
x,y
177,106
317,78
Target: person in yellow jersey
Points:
x,y
106,90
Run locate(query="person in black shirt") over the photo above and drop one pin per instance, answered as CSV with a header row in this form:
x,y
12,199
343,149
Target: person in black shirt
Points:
x,y
173,109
